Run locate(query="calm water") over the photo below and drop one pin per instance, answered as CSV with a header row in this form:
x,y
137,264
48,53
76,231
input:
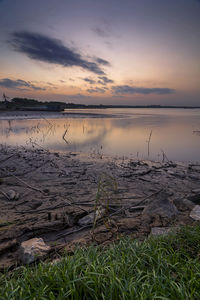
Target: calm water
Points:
x,y
118,132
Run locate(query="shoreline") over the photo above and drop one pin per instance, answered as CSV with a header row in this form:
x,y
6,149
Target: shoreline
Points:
x,y
34,115
55,197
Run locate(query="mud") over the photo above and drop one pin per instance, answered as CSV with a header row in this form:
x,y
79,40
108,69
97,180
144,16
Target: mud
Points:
x,y
52,192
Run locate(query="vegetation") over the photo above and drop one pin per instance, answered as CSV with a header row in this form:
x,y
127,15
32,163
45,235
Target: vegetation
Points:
x,y
158,268
32,104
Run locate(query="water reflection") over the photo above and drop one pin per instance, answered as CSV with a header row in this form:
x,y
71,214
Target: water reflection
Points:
x,y
173,131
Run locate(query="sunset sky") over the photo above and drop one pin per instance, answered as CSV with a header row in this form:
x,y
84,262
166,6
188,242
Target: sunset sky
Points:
x,y
101,51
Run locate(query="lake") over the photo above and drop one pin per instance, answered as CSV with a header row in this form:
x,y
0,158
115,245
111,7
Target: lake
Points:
x,y
141,133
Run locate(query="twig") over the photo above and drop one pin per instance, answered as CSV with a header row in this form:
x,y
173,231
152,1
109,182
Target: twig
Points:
x,y
22,181
7,158
139,203
34,143
73,231
65,134
52,208
46,120
5,195
29,186
164,156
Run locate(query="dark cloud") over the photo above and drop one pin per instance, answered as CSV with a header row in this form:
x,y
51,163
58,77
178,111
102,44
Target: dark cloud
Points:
x,y
102,32
46,49
17,84
126,89
102,61
91,81
76,97
104,80
96,90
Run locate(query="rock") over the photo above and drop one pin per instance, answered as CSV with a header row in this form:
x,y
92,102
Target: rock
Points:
x,y
33,249
162,230
196,168
5,247
34,204
195,213
153,164
177,174
194,198
196,191
160,206
12,195
128,224
89,219
194,177
183,204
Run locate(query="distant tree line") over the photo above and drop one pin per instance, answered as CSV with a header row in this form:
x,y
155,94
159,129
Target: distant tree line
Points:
x,y
33,104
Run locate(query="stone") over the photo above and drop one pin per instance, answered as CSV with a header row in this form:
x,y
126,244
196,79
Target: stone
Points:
x,y
160,206
183,204
177,174
34,204
196,191
5,247
32,250
89,219
195,213
157,231
128,224
12,195
194,198
194,177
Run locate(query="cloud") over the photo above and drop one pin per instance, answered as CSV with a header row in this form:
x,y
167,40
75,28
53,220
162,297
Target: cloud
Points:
x,y
96,90
102,61
50,50
91,81
126,89
104,80
78,97
102,32
17,84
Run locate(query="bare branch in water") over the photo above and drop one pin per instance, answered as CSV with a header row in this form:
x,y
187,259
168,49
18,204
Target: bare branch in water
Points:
x,y
148,142
65,134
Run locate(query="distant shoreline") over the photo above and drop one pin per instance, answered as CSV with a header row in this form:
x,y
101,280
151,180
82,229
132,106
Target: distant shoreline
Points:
x,y
31,114
11,114
24,104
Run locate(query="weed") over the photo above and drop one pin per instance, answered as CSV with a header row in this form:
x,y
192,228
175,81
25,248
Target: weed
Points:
x,y
158,268
107,186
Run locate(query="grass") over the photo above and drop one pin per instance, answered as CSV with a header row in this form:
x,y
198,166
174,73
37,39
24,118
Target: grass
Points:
x,y
158,268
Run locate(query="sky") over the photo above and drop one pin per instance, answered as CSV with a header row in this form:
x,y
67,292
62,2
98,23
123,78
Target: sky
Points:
x,y
120,52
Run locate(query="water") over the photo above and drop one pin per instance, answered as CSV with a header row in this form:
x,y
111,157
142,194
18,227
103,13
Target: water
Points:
x,y
117,132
